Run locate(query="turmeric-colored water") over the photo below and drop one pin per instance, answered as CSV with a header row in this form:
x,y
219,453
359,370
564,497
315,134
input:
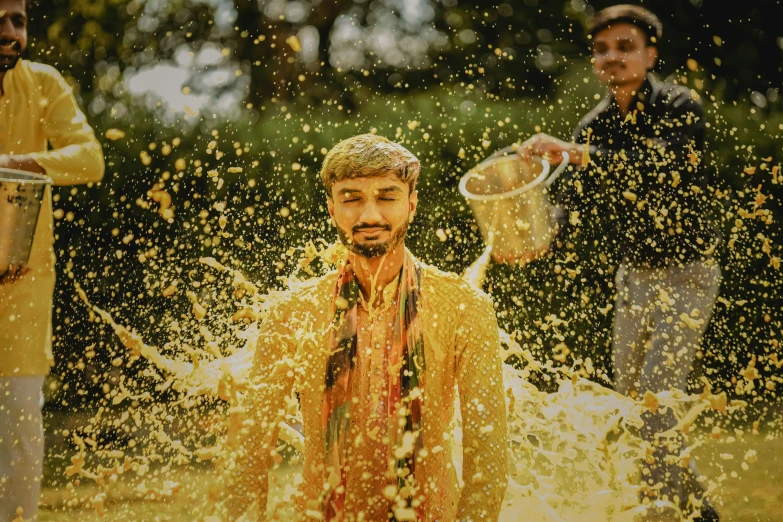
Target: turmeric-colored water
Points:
x,y
574,454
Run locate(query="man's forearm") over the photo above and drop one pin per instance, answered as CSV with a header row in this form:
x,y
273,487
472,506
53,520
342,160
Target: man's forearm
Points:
x,y
74,164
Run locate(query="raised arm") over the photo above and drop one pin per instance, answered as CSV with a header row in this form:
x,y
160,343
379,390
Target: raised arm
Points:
x,y
271,381
483,406
77,156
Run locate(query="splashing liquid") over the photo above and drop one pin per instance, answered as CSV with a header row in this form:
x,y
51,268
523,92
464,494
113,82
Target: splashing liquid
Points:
x,y
574,454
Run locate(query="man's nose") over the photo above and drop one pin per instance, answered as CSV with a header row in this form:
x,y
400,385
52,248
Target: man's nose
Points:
x,y
7,31
370,213
614,55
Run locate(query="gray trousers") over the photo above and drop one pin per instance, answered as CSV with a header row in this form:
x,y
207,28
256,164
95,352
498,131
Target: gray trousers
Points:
x,y
654,350
21,446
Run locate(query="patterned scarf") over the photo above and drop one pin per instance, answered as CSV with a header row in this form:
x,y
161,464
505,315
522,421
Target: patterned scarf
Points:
x,y
405,387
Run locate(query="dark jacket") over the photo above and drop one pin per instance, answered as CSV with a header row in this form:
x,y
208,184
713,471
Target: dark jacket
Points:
x,y
644,194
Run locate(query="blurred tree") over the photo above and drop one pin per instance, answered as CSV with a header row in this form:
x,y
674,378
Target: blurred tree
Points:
x,y
450,79
326,48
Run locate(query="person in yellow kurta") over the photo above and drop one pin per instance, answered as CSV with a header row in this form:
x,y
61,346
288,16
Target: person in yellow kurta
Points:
x,y
37,110
377,352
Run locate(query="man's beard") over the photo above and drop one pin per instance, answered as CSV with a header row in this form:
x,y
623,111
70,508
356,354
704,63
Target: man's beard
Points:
x,y
8,62
373,250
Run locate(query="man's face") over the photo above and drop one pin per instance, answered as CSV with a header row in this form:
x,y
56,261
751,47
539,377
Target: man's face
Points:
x,y
621,55
13,32
372,213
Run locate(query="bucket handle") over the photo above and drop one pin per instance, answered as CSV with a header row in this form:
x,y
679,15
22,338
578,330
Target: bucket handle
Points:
x,y
544,177
559,170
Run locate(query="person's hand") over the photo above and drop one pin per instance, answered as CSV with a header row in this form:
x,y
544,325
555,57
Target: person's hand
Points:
x,y
20,162
550,148
13,274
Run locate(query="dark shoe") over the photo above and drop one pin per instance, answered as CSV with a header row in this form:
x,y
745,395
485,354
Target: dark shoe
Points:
x,y
708,513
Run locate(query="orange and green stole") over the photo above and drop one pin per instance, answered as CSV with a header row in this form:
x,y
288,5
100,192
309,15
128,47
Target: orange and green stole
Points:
x,y
405,387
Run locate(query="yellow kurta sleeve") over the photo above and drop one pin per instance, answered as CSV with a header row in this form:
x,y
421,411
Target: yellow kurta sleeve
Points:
x,y
272,379
483,408
77,156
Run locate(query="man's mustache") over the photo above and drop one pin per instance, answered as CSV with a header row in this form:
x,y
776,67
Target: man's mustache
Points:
x,y
362,226
14,43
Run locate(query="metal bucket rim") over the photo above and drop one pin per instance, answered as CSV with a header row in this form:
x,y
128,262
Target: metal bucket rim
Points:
x,y
21,176
463,183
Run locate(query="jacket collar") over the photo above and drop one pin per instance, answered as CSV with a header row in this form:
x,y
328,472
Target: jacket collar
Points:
x,y
647,95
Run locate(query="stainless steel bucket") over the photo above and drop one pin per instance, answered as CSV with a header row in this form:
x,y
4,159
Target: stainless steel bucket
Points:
x,y
508,197
21,194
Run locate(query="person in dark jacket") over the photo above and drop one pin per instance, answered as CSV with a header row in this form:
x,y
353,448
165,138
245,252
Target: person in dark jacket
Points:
x,y
639,188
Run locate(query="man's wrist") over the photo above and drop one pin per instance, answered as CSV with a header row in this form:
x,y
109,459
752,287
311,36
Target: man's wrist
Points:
x,y
575,152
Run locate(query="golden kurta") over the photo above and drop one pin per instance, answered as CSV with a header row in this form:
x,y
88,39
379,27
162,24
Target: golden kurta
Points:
x,y
38,109
462,351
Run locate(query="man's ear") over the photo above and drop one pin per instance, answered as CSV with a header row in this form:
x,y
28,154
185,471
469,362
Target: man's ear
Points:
x,y
413,201
330,205
652,57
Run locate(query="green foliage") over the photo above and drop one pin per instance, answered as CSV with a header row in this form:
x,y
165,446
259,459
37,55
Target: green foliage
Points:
x,y
513,74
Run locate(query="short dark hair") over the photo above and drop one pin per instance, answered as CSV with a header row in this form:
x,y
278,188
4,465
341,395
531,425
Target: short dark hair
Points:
x,y
368,155
627,14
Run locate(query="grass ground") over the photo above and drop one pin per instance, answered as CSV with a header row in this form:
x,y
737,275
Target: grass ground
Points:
x,y
752,495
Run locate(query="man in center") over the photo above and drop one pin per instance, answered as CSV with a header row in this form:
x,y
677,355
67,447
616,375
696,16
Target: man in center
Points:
x,y
376,352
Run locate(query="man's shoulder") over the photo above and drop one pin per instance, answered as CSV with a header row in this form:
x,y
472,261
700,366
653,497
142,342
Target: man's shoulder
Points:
x,y
43,71
48,80
676,97
305,293
448,288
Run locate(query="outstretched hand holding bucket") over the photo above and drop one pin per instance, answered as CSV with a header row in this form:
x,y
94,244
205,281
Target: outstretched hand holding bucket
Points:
x,y
508,197
13,274
21,194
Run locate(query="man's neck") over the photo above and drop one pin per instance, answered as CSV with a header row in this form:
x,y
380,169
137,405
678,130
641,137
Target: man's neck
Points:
x,y
4,72
624,94
373,274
